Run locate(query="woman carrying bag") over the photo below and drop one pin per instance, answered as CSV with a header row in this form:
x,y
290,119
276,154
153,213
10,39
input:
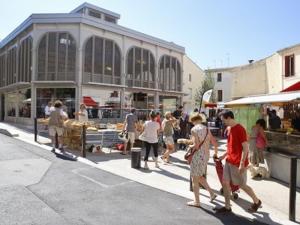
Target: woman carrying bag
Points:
x,y
201,137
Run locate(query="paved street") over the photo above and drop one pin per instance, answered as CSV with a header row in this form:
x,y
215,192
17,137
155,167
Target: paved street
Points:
x,y
44,188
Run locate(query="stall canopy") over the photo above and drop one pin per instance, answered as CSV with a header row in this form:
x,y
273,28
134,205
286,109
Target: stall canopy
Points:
x,y
294,87
281,97
88,101
219,105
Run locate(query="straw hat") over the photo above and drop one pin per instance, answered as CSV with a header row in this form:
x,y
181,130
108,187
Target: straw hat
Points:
x,y
198,116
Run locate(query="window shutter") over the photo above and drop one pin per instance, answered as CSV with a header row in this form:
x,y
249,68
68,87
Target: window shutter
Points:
x,y
286,62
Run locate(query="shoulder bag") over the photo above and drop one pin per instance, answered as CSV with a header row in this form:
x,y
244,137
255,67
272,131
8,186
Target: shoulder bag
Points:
x,y
189,155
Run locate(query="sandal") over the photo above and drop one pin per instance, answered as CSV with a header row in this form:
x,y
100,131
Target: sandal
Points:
x,y
223,210
254,207
193,204
213,197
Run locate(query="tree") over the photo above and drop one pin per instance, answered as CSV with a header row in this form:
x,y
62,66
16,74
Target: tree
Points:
x,y
207,84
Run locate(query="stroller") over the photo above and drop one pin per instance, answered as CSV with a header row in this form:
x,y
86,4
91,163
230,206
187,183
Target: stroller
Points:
x,y
219,168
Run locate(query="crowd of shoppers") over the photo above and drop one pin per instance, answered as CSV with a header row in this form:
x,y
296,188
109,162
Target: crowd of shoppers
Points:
x,y
193,128
236,156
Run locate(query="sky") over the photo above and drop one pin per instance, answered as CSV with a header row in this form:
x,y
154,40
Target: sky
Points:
x,y
215,33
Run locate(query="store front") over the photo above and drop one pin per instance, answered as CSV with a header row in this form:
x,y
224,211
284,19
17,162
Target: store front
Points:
x,y
45,95
168,103
16,105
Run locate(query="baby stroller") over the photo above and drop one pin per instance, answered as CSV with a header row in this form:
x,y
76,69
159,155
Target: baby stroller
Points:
x,y
219,168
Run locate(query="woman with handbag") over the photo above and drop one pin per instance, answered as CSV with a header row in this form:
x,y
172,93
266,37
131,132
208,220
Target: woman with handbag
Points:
x,y
201,137
257,142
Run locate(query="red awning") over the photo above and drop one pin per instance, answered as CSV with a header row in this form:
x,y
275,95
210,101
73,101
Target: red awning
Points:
x,y
88,101
210,105
294,87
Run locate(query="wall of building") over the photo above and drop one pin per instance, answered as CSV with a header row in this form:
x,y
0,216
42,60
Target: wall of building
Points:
x,y
81,32
225,84
250,80
274,74
189,87
288,81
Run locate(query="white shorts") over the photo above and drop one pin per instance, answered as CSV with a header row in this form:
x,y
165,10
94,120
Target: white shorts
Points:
x,y
168,140
53,130
131,137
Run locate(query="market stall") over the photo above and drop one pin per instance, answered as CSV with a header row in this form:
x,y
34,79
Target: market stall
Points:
x,y
82,136
284,140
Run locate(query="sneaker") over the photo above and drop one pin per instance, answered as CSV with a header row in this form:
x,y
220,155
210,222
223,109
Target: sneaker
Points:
x,y
53,150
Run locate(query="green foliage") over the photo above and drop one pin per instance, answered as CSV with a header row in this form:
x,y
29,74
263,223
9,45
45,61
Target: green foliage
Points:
x,y
207,84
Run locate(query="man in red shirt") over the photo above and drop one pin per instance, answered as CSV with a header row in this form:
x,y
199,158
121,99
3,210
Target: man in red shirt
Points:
x,y
235,169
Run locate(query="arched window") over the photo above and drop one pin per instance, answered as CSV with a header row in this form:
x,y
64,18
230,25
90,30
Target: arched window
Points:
x,y
25,60
2,70
102,61
140,68
57,57
169,73
11,66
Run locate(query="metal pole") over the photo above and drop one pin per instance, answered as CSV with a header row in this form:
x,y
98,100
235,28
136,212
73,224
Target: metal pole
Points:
x,y
83,138
201,103
293,183
35,129
56,140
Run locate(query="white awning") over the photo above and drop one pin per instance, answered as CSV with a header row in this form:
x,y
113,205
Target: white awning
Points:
x,y
282,97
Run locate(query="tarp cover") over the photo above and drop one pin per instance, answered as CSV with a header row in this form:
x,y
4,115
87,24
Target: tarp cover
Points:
x,y
281,97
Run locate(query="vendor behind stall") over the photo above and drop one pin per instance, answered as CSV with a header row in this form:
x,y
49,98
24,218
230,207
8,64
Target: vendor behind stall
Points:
x,y
82,114
296,121
274,120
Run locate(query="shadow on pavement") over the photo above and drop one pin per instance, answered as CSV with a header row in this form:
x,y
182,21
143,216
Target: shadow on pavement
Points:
x,y
66,156
244,204
229,218
172,175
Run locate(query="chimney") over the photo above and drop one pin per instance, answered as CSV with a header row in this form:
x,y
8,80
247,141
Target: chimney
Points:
x,y
250,61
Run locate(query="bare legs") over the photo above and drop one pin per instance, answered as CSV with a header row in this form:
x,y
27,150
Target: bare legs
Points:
x,y
169,150
60,141
246,188
201,180
125,146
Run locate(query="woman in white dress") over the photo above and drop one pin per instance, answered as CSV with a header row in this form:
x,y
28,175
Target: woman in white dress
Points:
x,y
200,134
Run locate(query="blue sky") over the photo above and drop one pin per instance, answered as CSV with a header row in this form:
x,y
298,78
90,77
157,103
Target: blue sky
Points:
x,y
215,33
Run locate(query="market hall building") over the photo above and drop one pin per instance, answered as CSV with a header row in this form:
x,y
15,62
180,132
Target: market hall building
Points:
x,y
85,56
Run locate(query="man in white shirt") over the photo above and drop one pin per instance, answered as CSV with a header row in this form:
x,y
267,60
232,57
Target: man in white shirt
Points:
x,y
47,109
